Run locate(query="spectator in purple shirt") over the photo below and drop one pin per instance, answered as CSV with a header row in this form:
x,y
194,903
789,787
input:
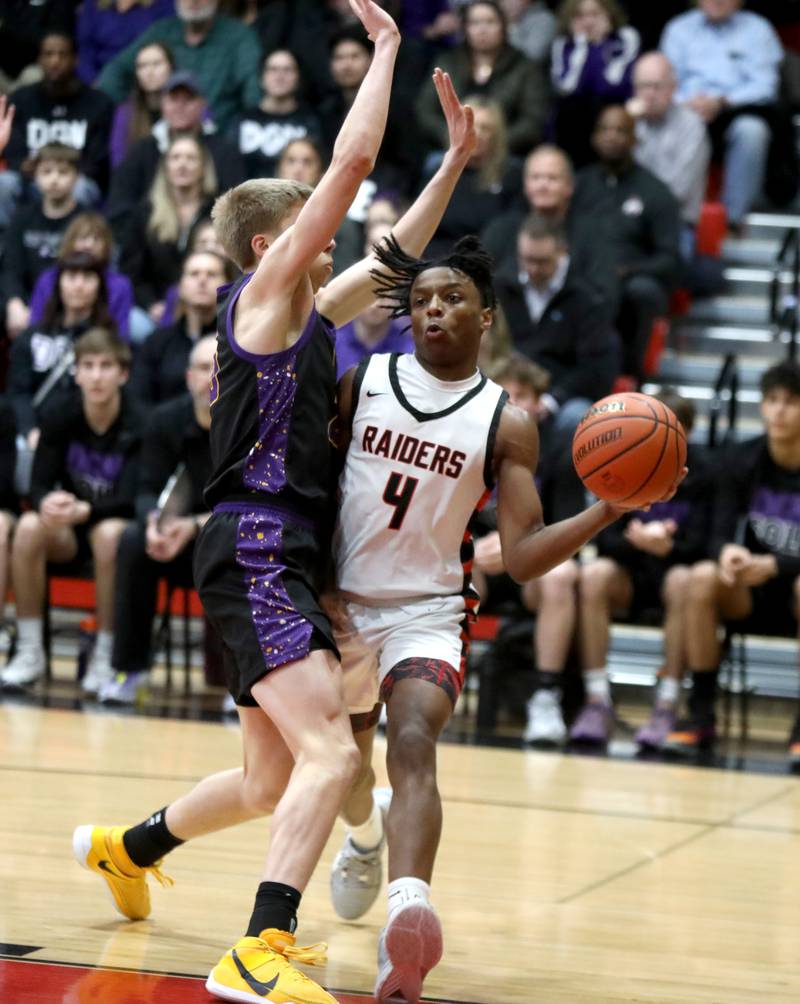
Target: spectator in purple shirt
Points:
x,y
591,67
89,233
106,27
373,332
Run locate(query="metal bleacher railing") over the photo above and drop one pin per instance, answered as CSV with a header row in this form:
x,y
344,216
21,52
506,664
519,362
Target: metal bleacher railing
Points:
x,y
724,399
784,292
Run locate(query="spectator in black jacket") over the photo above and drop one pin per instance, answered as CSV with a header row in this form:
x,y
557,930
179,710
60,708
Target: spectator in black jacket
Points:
x,y
160,543
754,577
183,110
398,161
34,237
84,479
488,185
548,188
263,132
60,108
159,370
161,229
484,63
41,358
639,219
643,565
558,321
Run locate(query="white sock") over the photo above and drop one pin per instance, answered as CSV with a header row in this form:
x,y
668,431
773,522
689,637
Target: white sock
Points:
x,y
668,690
596,683
104,645
29,636
404,891
368,834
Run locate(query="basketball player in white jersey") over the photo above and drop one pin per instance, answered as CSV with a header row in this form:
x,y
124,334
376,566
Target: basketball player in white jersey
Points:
x,y
428,439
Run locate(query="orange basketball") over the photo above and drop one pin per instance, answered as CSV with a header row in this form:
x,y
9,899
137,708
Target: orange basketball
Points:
x,y
629,448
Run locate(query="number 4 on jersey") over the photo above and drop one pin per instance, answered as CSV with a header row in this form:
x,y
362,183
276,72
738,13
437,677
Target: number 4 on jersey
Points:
x,y
399,498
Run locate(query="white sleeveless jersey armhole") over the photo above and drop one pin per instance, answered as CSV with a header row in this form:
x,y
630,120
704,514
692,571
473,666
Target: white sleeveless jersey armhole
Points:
x,y
418,466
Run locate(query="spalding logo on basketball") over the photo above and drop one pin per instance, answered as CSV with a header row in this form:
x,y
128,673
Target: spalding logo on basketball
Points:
x,y
629,448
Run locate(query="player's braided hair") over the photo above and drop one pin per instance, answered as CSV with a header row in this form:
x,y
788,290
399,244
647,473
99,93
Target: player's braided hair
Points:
x,y
467,256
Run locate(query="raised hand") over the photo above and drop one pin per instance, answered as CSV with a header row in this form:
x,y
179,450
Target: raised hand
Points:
x,y
375,19
6,120
460,118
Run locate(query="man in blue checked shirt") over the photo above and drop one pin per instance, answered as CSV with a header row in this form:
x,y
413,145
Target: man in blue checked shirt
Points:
x,y
727,63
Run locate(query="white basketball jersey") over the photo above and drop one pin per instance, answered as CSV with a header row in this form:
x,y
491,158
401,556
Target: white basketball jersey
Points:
x,y
418,466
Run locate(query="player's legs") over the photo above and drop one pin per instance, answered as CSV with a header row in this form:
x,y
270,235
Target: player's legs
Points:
x,y
605,586
33,546
104,540
241,793
218,801
418,708
318,736
417,711
7,524
357,871
314,772
358,804
709,601
554,597
663,718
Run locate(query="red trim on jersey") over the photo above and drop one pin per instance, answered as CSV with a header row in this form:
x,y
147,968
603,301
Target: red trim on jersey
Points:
x,y
484,499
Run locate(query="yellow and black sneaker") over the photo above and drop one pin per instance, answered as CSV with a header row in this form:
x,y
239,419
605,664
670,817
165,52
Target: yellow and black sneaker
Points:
x,y
260,969
101,850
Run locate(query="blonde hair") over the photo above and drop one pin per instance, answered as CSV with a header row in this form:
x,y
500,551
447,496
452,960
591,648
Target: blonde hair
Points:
x,y
164,223
492,171
258,206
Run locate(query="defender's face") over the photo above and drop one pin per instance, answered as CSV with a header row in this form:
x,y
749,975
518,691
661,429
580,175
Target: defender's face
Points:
x,y
447,317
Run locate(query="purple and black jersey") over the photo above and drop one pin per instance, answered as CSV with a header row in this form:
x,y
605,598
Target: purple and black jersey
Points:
x,y
270,418
98,467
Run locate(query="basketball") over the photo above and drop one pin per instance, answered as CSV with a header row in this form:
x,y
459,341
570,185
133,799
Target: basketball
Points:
x,y
629,448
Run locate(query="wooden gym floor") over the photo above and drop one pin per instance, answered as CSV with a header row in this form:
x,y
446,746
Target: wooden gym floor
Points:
x,y
561,879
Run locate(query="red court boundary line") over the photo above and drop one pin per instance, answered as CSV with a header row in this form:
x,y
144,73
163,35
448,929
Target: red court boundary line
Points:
x,y
35,981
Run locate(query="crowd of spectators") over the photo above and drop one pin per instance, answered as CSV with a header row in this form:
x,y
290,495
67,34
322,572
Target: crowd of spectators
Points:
x,y
598,122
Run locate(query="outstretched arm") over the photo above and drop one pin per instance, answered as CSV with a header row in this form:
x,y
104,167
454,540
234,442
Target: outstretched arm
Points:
x,y
6,121
351,292
529,547
354,155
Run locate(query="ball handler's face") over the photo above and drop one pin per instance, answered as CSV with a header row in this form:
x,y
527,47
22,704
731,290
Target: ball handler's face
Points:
x,y
447,321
